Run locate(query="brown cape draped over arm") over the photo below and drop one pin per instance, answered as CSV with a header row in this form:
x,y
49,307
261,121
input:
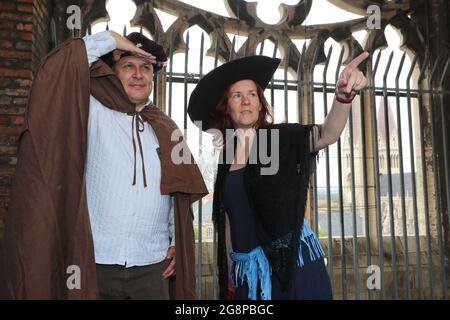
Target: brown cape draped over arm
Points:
x,y
47,228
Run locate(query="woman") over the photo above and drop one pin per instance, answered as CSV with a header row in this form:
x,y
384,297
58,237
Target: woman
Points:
x,y
266,249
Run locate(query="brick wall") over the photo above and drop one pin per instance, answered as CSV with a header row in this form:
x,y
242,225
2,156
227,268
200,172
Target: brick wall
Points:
x,y
24,40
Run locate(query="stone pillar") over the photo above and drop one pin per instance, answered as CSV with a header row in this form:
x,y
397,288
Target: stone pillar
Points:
x,y
438,37
433,22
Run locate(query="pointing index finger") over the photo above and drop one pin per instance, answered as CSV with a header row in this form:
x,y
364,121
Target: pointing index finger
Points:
x,y
357,61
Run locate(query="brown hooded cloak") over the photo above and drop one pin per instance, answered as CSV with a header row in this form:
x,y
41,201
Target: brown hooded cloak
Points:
x,y
47,227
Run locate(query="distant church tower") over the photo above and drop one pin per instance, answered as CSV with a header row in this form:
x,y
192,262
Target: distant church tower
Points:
x,y
382,145
382,140
358,157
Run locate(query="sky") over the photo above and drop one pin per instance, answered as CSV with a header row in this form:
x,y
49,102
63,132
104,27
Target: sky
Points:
x,y
322,12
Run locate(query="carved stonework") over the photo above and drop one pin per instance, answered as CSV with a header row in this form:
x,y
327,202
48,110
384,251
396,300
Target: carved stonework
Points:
x,y
244,21
408,16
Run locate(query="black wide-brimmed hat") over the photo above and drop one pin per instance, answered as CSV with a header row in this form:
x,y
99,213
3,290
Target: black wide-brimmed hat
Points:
x,y
211,88
145,44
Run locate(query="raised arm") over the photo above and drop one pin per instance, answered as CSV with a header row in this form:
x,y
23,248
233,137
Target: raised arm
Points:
x,y
123,44
351,80
104,42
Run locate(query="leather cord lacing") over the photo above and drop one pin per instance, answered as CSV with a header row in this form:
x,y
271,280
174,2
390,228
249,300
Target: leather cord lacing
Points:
x,y
137,126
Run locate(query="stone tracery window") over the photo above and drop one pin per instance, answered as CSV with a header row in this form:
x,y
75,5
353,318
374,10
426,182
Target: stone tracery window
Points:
x,y
304,35
308,27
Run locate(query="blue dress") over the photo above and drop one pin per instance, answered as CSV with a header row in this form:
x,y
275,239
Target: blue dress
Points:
x,y
253,278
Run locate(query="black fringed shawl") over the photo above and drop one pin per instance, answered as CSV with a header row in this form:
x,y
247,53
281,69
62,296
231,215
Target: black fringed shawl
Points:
x,y
278,201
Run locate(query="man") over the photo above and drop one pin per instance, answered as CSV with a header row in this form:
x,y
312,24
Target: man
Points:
x,y
96,195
